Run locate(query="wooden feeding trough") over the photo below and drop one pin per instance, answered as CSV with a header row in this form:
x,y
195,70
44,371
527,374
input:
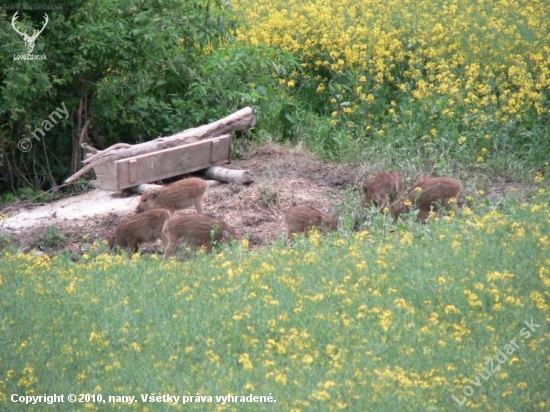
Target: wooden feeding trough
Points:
x,y
123,166
161,164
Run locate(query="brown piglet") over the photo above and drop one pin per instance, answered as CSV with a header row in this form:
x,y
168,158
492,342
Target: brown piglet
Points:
x,y
382,190
430,195
137,229
421,179
301,218
179,195
196,231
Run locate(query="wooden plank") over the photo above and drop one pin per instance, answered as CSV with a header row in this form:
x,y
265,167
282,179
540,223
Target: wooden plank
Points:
x,y
105,177
218,151
165,163
243,119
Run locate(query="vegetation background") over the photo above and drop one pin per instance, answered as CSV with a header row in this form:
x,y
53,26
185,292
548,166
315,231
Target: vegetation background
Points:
x,y
389,318
393,317
451,85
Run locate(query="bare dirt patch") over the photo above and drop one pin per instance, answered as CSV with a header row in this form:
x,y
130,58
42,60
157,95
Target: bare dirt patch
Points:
x,y
283,177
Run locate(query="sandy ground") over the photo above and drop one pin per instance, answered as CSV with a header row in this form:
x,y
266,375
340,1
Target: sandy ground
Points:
x,y
70,210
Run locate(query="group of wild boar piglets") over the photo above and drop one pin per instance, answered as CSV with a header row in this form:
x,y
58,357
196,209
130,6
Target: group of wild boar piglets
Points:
x,y
427,194
153,219
154,215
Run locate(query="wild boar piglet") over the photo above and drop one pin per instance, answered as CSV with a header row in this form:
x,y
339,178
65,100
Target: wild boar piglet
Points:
x,y
422,178
430,195
138,229
182,194
196,231
301,218
382,190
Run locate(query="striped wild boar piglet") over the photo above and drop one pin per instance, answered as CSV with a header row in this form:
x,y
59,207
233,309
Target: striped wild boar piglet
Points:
x,y
196,231
301,218
382,190
138,229
182,194
430,195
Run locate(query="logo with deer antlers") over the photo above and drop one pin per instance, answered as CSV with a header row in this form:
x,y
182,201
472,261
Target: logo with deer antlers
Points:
x,y
29,40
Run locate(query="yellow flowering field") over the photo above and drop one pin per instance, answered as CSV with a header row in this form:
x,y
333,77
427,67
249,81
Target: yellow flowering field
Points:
x,y
424,317
429,70
501,49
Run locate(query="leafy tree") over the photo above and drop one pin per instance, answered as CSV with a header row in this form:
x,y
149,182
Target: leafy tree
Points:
x,y
122,69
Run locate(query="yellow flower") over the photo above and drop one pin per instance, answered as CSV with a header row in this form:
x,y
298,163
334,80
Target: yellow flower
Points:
x,y
244,360
478,286
361,265
329,384
71,288
281,378
451,309
320,396
540,301
406,239
307,359
385,320
472,298
403,304
433,318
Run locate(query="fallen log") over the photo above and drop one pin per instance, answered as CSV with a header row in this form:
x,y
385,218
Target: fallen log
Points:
x,y
146,186
229,175
240,120
102,153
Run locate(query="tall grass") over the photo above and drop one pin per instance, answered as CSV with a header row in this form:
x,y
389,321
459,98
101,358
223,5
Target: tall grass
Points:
x,y
403,320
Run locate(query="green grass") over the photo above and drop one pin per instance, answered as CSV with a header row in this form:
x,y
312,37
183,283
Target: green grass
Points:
x,y
356,321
